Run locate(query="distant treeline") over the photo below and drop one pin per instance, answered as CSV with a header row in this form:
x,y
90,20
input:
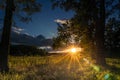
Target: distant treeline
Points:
x,y
24,50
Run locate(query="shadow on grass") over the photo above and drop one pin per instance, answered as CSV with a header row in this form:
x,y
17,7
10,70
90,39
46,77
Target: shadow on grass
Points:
x,y
114,69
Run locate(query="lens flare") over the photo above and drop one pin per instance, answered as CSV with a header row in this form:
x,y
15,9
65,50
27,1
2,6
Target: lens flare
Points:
x,y
73,50
71,56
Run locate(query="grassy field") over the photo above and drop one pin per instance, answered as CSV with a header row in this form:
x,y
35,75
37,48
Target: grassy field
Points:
x,y
60,67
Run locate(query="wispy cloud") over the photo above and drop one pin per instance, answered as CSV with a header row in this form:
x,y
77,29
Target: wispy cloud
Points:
x,y
61,21
17,29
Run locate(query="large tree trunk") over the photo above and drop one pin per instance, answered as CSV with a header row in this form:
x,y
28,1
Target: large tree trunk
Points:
x,y
100,35
5,41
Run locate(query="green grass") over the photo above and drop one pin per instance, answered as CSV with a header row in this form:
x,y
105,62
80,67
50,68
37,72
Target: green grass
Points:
x,y
59,67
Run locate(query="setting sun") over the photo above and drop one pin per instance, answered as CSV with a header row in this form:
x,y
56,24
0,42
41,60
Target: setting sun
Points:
x,y
73,50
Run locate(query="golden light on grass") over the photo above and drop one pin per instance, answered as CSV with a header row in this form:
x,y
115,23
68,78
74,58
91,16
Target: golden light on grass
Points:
x,y
72,58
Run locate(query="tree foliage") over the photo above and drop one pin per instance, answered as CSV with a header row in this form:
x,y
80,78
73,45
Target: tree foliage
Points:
x,y
87,16
23,9
66,35
89,21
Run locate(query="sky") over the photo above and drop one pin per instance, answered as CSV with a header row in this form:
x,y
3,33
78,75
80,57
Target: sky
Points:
x,y
44,22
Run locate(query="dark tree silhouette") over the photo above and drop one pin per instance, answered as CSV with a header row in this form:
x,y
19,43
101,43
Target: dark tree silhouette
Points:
x,y
5,42
90,16
29,7
100,29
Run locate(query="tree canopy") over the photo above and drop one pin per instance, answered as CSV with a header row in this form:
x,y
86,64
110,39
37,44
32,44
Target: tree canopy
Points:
x,y
23,9
90,23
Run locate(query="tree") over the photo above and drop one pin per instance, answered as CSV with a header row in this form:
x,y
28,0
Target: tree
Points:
x,y
100,29
91,19
28,7
64,34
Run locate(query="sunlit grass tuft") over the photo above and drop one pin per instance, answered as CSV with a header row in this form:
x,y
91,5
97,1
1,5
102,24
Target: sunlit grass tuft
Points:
x,y
57,67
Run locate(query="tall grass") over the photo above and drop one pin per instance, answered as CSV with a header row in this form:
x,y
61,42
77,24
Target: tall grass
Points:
x,y
56,68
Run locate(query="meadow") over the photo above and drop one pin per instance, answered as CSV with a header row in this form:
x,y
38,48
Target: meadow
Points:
x,y
60,67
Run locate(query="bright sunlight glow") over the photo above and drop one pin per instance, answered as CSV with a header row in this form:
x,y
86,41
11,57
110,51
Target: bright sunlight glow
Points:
x,y
73,50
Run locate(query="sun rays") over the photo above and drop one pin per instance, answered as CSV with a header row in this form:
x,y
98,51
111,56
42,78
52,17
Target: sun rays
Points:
x,y
74,60
71,58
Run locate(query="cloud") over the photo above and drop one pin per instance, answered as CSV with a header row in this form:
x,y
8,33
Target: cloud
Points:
x,y
61,21
17,29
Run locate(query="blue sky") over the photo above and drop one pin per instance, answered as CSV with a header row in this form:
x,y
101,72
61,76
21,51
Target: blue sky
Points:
x,y
43,22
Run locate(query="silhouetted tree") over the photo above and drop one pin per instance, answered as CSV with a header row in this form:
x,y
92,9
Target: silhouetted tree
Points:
x,y
91,16
100,29
14,6
65,35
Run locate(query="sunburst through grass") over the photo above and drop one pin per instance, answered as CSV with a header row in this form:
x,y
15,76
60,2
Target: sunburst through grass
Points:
x,y
74,60
77,63
56,67
72,57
